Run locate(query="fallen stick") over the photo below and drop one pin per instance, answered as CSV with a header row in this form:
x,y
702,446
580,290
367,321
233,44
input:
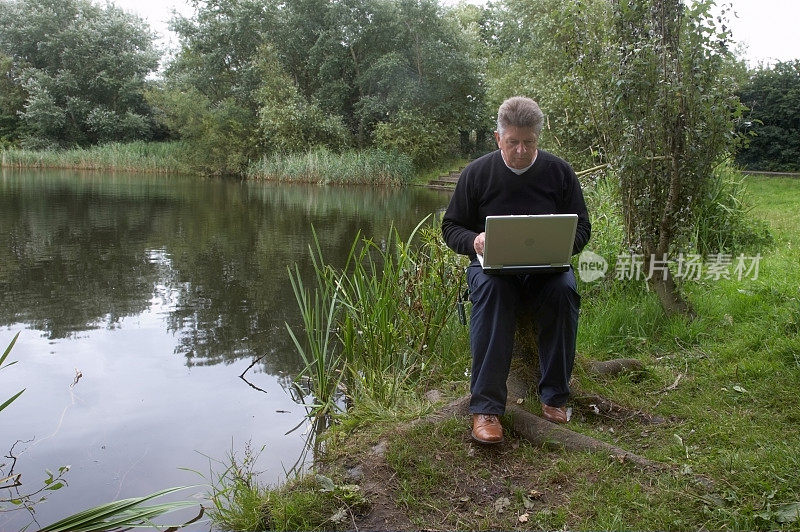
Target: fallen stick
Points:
x,y
615,366
670,387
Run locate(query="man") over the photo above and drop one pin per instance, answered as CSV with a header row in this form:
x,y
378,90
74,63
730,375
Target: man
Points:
x,y
516,179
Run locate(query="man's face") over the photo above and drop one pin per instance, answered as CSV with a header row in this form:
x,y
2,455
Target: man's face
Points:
x,y
518,145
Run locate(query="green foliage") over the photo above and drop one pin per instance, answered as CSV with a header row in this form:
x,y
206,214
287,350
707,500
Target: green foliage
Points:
x,y
286,120
725,223
217,137
562,54
120,514
323,364
309,502
137,156
81,69
319,165
312,73
676,111
772,123
423,139
393,306
219,48
315,502
3,358
239,501
252,108
603,203
12,101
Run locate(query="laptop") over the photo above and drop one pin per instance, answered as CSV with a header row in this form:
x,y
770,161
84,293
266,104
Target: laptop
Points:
x,y
540,243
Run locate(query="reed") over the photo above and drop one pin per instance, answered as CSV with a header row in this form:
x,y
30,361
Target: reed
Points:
x,y
393,308
3,358
323,365
725,222
122,514
320,165
149,157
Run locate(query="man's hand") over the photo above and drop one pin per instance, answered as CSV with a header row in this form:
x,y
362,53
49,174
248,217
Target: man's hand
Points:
x,y
480,243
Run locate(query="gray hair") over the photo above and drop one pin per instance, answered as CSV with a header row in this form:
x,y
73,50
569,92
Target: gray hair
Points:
x,y
520,111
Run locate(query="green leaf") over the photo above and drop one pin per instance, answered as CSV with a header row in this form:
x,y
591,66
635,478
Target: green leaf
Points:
x,y
326,483
11,400
122,513
787,513
8,350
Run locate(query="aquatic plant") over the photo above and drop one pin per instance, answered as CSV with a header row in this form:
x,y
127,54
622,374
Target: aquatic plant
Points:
x,y
388,315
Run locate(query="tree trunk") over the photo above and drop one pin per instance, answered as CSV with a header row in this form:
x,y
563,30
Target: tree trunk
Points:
x,y
663,284
523,378
671,300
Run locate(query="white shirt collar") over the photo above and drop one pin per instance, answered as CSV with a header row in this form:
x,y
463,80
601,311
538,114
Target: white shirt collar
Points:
x,y
520,171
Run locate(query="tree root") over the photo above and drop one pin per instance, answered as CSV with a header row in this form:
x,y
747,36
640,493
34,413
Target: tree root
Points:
x,y
539,431
600,406
542,432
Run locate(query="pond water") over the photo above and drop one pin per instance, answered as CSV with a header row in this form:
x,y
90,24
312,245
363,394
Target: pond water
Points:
x,y
140,300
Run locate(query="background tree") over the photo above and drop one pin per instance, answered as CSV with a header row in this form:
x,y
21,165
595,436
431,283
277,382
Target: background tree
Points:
x,y
643,86
773,120
12,101
209,95
310,73
82,68
677,109
563,55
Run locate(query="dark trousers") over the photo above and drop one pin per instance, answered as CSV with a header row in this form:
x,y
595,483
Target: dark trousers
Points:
x,y
554,300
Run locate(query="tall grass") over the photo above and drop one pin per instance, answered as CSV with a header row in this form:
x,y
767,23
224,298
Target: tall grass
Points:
x,y
393,307
323,166
138,156
308,502
725,222
238,500
323,367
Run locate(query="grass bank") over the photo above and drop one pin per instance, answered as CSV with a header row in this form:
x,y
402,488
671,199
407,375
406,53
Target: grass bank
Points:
x,y
147,157
320,165
724,387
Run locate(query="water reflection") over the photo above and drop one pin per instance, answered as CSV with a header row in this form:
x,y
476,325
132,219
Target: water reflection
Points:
x,y
82,251
162,292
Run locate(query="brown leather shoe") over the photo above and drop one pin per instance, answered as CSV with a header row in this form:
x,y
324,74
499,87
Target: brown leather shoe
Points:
x,y
556,414
486,428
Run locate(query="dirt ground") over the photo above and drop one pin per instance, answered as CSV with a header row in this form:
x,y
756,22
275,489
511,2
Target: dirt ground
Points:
x,y
483,486
431,475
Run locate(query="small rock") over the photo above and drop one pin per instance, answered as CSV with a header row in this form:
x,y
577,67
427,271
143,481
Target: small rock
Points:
x,y
433,396
355,474
501,504
380,448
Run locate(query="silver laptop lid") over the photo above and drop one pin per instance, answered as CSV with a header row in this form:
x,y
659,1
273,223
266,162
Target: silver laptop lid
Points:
x,y
529,240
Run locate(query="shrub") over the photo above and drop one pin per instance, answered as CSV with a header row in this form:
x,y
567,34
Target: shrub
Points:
x,y
421,138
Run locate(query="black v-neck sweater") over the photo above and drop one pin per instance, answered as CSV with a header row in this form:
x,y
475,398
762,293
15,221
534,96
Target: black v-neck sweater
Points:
x,y
488,188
